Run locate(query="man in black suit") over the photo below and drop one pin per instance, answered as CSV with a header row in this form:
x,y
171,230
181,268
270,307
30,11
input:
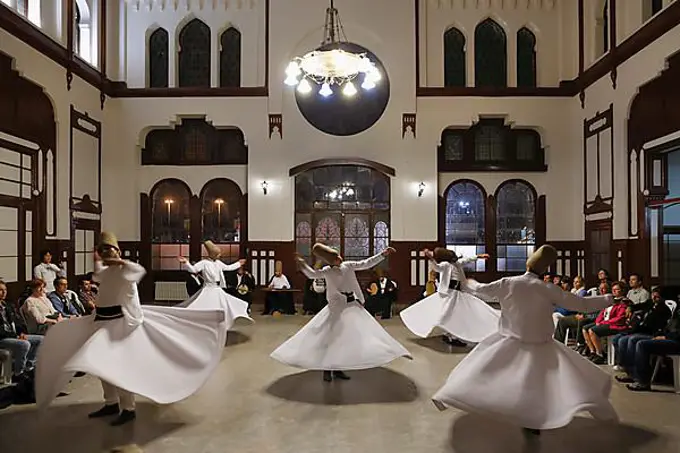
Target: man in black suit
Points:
x,y
382,294
193,283
240,284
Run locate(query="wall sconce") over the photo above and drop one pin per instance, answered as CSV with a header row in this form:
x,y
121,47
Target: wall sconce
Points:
x,y
265,186
421,189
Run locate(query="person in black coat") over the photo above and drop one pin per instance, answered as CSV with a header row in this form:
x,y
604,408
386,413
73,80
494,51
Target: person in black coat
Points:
x,y
240,284
382,293
315,294
193,283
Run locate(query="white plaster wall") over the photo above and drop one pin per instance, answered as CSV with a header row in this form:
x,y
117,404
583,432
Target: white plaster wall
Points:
x,y
561,184
635,72
543,18
246,16
52,77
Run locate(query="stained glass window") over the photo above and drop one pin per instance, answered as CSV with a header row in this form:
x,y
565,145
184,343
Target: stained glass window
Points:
x,y
230,58
357,237
454,58
465,227
303,235
194,55
490,143
158,59
328,231
515,225
170,223
221,202
381,237
453,146
491,58
196,142
528,145
526,58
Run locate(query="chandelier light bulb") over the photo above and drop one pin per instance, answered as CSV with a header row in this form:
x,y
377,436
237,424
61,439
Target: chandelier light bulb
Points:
x,y
374,75
293,69
304,87
325,90
349,89
291,80
368,84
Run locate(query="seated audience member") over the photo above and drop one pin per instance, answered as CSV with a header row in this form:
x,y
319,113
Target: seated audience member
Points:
x,y
574,323
579,287
86,294
279,301
646,322
47,271
382,293
637,294
610,321
548,277
94,285
557,280
64,300
241,284
24,348
638,361
565,284
315,294
38,310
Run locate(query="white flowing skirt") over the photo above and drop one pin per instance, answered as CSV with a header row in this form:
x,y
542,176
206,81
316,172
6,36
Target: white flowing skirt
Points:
x,y
342,336
166,358
457,313
534,385
212,297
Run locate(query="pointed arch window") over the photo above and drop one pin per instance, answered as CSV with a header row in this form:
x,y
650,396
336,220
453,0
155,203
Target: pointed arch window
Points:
x,y
194,55
230,58
454,58
526,58
465,221
158,59
491,55
515,225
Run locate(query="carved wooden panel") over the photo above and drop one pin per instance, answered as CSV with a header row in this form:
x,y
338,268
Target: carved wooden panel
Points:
x,y
598,162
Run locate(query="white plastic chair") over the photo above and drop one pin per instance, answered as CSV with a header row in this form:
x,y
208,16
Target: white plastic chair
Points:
x,y
672,305
676,370
5,367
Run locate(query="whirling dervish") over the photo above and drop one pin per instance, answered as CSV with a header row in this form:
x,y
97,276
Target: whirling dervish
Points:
x,y
212,295
165,354
343,336
520,373
449,309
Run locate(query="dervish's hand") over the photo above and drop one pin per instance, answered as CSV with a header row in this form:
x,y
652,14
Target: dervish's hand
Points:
x,y
388,251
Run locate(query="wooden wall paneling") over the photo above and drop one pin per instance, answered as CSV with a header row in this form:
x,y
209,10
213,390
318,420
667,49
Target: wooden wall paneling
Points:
x,y
598,162
409,268
262,256
541,221
598,248
146,287
570,258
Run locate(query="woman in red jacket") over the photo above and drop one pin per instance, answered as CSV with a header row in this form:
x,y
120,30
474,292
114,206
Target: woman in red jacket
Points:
x,y
610,321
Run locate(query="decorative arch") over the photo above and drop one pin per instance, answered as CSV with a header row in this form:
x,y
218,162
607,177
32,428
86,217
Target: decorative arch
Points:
x,y
455,64
491,54
516,224
222,217
465,220
230,57
170,201
194,54
158,58
358,161
526,58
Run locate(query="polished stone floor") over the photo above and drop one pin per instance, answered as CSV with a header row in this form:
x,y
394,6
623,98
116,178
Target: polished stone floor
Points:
x,y
254,404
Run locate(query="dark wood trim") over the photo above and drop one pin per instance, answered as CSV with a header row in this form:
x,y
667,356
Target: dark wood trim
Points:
x,y
120,90
69,42
541,227
606,119
341,161
565,90
267,25
416,28
102,50
595,225
490,237
75,118
581,37
612,25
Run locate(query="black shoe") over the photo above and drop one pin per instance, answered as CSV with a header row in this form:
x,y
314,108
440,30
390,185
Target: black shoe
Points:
x,y
532,432
457,343
109,409
637,387
598,360
341,375
79,374
624,379
327,376
124,417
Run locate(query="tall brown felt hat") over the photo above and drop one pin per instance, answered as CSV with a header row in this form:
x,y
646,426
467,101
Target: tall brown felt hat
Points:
x,y
108,238
542,259
326,253
278,267
442,254
213,250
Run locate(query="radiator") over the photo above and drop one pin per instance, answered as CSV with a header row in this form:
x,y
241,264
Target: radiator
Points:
x,y
170,291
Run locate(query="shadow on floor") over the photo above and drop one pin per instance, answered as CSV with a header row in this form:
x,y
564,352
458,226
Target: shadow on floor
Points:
x,y
66,429
374,386
235,338
476,434
438,345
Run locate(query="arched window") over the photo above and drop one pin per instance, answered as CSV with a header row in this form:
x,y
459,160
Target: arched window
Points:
x,y
344,206
194,55
221,207
84,36
30,9
526,58
602,28
170,223
230,58
491,55
158,59
515,225
464,222
454,58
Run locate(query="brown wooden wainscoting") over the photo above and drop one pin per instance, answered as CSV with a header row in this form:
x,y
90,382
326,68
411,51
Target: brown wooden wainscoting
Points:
x,y
571,257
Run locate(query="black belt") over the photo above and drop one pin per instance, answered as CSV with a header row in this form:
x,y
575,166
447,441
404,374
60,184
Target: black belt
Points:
x,y
350,297
454,284
108,313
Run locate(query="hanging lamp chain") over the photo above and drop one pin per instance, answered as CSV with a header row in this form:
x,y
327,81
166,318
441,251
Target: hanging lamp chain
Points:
x,y
333,29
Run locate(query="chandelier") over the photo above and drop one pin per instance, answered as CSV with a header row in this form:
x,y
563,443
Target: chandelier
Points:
x,y
332,63
344,191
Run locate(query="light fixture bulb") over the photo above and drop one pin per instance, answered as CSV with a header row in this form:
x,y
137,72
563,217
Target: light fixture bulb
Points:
x,y
374,75
349,89
293,69
325,90
368,84
304,87
291,81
